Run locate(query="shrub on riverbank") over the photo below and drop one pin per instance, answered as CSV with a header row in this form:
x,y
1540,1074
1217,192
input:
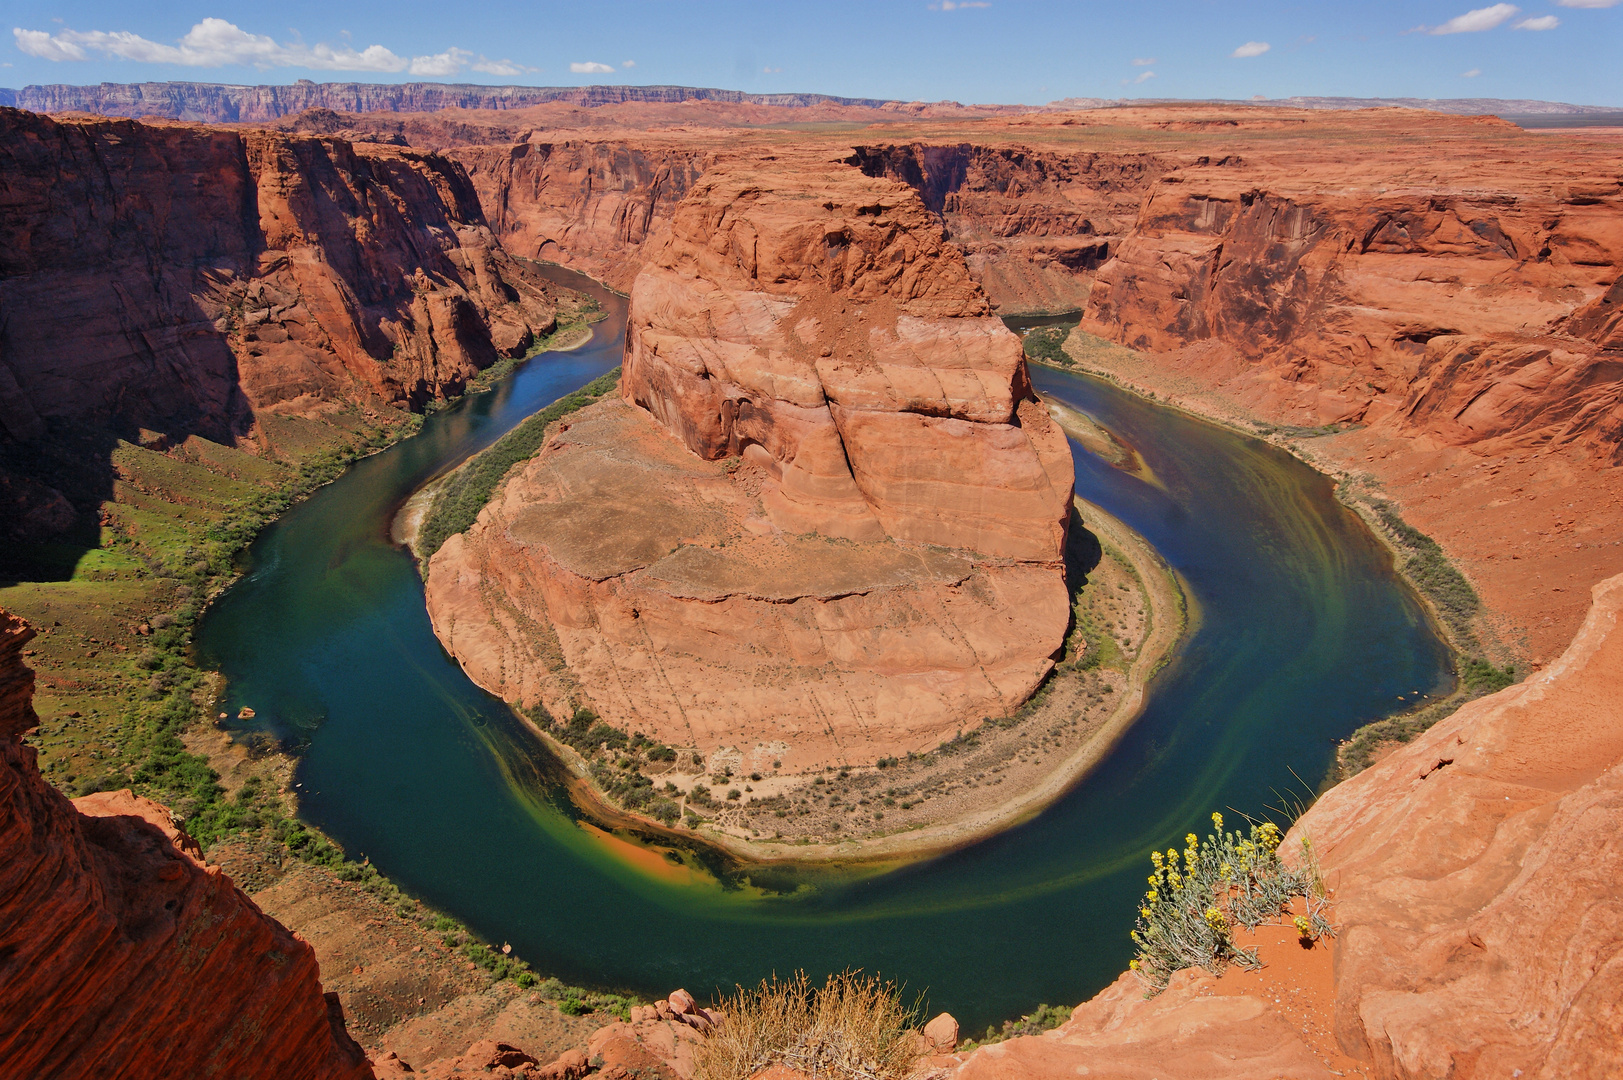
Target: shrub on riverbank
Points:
x,y
1198,896
468,490
855,1026
1047,343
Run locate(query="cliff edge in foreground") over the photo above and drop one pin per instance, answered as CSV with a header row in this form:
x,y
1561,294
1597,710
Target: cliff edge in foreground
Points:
x,y
825,522
1475,877
123,954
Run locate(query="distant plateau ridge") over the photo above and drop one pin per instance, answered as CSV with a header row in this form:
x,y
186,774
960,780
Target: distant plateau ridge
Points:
x,y
222,103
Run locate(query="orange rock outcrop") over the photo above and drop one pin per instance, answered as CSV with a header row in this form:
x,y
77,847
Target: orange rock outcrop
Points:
x,y
123,954
1474,873
827,516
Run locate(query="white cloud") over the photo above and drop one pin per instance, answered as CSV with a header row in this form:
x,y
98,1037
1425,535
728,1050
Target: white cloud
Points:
x,y
591,67
1473,73
1251,48
628,63
1144,75
1141,62
1543,22
442,64
958,5
771,71
1588,3
500,67
1476,20
43,45
218,43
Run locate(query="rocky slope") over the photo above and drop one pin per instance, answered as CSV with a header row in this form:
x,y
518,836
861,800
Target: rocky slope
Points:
x,y
827,516
1474,873
123,954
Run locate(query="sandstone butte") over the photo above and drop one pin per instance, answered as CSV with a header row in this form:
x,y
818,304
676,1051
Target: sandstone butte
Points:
x,y
825,516
123,954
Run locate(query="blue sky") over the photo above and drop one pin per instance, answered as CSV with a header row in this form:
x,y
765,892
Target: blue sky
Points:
x,y
1027,51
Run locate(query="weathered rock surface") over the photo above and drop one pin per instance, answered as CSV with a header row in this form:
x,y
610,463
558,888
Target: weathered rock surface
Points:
x,y
1184,1033
185,279
122,954
1476,873
1466,305
828,512
595,206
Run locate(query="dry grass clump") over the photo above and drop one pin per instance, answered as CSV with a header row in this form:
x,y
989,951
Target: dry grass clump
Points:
x,y
854,1027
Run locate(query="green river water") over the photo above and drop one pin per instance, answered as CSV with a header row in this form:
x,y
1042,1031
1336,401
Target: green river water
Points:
x,y
1305,633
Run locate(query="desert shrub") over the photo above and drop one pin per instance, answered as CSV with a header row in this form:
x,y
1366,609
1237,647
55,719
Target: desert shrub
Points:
x,y
1187,917
855,1026
466,493
1047,343
1042,1018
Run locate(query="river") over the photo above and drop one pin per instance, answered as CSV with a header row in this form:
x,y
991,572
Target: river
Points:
x,y
1305,633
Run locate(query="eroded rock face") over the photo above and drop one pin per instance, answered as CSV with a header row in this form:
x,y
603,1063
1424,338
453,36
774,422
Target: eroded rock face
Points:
x,y
184,278
1183,1033
598,207
1476,875
826,515
1474,311
123,954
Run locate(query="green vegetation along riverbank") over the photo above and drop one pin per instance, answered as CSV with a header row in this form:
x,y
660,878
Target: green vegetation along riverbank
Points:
x,y
1446,593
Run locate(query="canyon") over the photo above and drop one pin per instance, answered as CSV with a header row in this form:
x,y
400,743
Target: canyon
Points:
x,y
1425,304
236,286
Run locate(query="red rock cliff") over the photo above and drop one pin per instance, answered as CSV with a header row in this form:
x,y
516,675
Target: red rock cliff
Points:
x,y
185,278
123,954
1448,303
594,206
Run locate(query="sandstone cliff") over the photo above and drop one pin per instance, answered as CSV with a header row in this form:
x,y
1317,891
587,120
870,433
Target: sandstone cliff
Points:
x,y
827,515
179,275
192,280
1474,874
123,954
1445,302
1034,223
594,206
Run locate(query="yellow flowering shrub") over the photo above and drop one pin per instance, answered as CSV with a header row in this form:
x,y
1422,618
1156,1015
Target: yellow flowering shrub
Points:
x,y
1187,917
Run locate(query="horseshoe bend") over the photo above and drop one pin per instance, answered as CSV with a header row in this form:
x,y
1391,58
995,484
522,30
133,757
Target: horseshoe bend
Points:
x,y
421,658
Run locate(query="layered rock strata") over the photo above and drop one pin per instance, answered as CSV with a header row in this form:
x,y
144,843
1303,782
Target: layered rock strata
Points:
x,y
1469,305
123,954
597,206
184,279
827,513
